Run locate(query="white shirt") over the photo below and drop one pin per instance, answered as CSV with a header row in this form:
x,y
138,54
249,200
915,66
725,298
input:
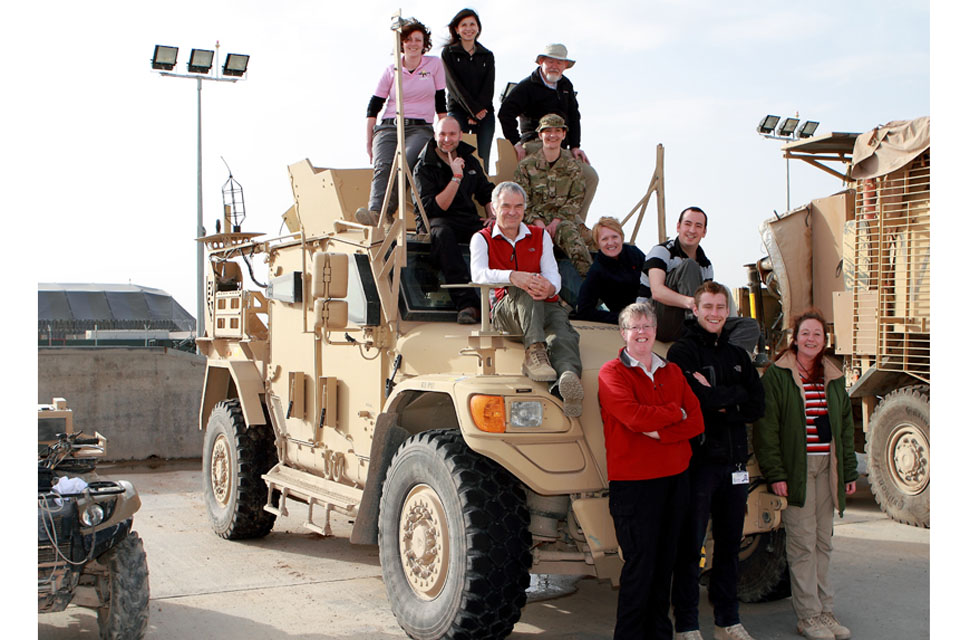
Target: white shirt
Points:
x,y
655,363
481,273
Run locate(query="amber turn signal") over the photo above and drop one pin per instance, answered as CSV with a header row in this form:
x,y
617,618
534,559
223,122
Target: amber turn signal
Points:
x,y
489,413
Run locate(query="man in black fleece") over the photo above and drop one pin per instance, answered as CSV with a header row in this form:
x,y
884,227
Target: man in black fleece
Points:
x,y
547,90
725,381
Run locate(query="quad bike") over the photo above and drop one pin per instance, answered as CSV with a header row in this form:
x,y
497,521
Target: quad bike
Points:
x,y
87,551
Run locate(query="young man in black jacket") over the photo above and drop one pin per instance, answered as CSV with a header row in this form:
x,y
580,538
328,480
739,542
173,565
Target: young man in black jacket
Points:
x,y
725,381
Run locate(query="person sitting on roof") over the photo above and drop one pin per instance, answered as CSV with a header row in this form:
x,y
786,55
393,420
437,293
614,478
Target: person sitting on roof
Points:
x,y
555,186
521,259
448,178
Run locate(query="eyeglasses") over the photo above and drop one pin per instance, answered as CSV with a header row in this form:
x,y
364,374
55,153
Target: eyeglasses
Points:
x,y
642,327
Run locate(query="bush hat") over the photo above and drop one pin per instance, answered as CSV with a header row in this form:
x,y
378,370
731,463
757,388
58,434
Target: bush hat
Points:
x,y
556,51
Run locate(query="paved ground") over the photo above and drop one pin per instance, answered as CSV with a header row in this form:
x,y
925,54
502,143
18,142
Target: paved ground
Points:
x,y
296,584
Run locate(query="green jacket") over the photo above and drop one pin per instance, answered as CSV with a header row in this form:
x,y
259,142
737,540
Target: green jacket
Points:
x,y
779,437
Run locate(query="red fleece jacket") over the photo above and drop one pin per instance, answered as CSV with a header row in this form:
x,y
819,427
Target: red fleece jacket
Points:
x,y
630,404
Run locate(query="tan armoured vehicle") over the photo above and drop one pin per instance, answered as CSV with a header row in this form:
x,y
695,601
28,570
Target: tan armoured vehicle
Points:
x,y
862,256
346,385
87,553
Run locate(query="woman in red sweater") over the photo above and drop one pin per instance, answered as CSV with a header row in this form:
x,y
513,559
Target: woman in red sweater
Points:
x,y
649,415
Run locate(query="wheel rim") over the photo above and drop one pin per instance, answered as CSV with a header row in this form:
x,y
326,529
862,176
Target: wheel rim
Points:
x,y
748,545
424,542
908,458
220,470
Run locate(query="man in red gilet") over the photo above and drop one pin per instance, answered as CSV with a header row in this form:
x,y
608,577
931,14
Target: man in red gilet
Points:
x,y
521,259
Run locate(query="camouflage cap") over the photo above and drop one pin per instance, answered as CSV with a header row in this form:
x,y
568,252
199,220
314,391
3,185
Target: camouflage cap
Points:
x,y
551,120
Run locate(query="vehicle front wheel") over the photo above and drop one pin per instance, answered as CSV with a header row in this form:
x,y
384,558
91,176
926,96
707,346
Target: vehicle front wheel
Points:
x,y
764,575
454,540
235,457
124,592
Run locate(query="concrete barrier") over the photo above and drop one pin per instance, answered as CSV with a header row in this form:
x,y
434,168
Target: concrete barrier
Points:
x,y
145,400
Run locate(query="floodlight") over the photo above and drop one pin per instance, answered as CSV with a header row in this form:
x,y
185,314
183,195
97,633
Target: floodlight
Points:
x,y
164,58
788,126
768,124
807,129
200,61
236,64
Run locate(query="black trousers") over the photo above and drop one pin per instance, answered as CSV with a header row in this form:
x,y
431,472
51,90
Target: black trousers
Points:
x,y
646,514
445,236
712,495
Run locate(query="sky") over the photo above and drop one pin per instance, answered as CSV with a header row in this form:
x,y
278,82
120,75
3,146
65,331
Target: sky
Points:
x,y
99,163
107,153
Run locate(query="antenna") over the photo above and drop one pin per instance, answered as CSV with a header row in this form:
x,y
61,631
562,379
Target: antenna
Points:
x,y
234,212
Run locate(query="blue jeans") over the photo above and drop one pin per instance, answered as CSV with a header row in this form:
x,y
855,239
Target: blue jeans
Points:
x,y
384,146
485,129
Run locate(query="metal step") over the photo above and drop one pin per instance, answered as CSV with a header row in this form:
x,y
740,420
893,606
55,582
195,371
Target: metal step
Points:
x,y
315,491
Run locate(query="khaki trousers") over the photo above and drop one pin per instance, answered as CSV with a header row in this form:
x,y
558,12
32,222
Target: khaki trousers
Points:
x,y
540,321
810,541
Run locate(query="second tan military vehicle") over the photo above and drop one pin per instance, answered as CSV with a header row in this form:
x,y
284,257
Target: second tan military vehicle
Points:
x,y
862,256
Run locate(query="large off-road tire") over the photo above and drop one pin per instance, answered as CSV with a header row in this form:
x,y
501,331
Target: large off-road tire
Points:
x,y
764,575
124,591
454,541
234,458
898,455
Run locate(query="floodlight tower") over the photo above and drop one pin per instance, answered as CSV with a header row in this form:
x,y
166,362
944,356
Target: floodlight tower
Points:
x,y
787,131
198,66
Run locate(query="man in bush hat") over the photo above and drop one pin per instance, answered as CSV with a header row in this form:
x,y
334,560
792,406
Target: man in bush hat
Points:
x,y
546,91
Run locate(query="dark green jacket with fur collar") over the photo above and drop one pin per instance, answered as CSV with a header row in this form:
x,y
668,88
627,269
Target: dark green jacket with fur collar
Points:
x,y
779,437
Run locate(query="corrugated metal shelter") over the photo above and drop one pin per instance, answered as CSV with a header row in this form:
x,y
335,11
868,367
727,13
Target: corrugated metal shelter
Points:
x,y
65,310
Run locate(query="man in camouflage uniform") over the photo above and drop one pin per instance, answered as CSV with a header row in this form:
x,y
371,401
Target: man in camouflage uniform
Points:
x,y
555,187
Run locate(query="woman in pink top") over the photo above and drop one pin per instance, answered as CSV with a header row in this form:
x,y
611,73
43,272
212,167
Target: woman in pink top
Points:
x,y
423,84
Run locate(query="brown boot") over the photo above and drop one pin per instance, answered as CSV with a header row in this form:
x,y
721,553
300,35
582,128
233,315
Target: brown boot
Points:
x,y
367,217
572,393
536,364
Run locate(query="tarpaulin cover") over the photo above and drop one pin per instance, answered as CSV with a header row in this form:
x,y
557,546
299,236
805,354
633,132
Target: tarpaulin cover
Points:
x,y
111,305
885,149
787,241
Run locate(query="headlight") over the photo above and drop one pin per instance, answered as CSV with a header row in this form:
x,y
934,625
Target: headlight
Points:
x,y
528,413
92,515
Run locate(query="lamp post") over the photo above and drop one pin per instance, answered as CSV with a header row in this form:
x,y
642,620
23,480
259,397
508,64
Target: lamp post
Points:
x,y
198,66
787,131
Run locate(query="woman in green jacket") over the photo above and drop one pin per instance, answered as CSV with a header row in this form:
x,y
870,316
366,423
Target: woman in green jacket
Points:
x,y
804,445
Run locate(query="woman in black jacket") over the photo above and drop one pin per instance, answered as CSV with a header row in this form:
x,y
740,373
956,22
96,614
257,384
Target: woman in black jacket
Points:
x,y
470,75
614,276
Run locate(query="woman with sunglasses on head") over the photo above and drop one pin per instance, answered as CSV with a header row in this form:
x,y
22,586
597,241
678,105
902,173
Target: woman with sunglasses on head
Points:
x,y
423,84
804,445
